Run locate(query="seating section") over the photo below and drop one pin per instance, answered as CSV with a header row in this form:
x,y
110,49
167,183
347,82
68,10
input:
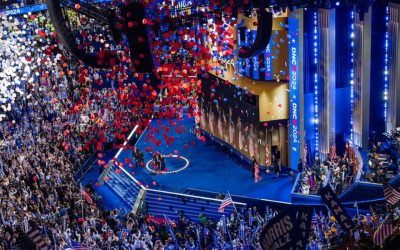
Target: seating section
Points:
x,y
160,203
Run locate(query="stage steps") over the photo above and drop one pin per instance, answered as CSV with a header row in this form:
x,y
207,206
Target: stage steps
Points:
x,y
127,191
123,187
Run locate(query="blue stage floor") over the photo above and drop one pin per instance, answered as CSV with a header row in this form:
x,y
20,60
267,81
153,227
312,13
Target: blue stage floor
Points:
x,y
208,170
110,200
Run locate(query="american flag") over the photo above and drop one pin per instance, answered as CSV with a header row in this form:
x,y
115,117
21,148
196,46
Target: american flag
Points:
x,y
333,148
392,195
226,202
76,246
196,115
31,240
385,229
70,123
305,151
314,219
197,120
87,197
170,222
267,151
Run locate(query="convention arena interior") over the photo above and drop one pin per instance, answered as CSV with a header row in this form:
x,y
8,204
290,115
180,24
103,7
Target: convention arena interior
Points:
x,y
199,124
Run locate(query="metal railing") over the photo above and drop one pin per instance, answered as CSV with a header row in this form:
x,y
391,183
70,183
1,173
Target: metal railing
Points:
x,y
85,167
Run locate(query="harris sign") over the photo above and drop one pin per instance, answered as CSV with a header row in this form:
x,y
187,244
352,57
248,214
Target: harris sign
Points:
x,y
294,92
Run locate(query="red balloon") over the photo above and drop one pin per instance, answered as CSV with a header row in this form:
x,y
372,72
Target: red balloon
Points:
x,y
133,173
34,178
97,184
139,183
154,183
159,199
80,220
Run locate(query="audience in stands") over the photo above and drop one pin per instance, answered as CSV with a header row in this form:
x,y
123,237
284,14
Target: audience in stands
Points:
x,y
44,133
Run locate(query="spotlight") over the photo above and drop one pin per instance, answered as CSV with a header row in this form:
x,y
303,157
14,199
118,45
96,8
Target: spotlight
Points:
x,y
337,3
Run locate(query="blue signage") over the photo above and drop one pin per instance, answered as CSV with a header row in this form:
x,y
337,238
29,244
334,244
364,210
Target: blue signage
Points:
x,y
268,66
24,10
294,92
255,58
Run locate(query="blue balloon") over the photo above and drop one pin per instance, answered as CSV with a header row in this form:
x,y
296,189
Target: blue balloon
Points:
x,y
234,79
225,99
213,90
239,93
246,92
237,86
215,101
283,72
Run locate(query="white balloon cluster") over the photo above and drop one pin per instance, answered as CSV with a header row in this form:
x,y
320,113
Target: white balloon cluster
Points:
x,y
19,58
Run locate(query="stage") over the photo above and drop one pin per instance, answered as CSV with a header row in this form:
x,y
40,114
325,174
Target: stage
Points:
x,y
207,169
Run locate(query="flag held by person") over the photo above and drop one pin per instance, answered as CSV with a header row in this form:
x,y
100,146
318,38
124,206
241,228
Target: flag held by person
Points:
x,y
31,240
226,202
76,246
392,195
87,197
384,230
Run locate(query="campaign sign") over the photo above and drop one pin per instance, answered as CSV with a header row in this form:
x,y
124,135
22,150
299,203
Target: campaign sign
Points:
x,y
281,232
337,209
304,217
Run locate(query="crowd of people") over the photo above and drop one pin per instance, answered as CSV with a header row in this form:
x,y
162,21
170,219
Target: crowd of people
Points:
x,y
51,123
55,115
337,171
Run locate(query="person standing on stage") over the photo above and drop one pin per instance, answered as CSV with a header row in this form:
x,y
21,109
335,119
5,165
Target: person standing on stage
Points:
x,y
278,158
141,159
253,164
275,164
135,155
156,160
300,166
256,173
162,159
